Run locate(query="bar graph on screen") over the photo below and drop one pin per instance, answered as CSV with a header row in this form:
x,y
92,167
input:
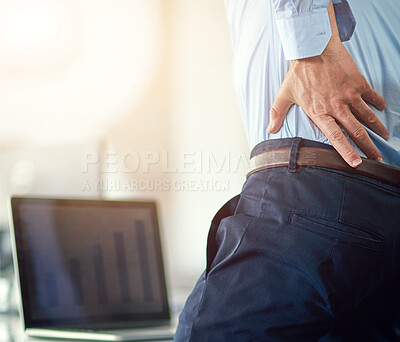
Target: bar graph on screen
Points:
x,y
122,267
96,262
90,264
144,262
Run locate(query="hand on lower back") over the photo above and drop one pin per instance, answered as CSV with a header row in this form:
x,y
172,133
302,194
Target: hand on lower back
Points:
x,y
332,91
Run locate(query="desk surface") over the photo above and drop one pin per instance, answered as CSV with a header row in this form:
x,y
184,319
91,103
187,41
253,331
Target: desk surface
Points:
x,y
10,329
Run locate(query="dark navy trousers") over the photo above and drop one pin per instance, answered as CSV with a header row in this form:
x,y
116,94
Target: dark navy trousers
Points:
x,y
302,254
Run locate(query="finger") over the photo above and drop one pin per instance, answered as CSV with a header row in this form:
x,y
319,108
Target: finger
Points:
x,y
332,131
358,133
372,97
277,114
367,115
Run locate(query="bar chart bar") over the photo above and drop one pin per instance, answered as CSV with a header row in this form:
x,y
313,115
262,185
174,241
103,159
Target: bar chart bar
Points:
x,y
98,263
51,289
122,267
144,260
76,280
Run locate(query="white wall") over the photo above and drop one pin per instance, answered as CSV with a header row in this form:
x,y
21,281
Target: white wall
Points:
x,y
149,80
189,120
70,68
205,119
53,170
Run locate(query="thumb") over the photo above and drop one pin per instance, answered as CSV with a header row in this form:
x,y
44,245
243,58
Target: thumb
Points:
x,y
277,114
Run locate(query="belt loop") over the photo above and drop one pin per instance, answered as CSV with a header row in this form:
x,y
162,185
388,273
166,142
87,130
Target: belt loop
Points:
x,y
293,154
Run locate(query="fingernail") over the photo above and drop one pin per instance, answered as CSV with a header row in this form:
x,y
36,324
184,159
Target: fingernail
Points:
x,y
379,159
356,162
387,136
269,128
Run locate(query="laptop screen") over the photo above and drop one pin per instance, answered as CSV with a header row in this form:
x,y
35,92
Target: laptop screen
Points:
x,y
89,262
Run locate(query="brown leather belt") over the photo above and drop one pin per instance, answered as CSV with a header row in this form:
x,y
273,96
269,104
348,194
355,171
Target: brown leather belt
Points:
x,y
311,156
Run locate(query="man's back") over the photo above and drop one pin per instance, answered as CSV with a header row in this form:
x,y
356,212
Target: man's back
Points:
x,y
260,68
309,250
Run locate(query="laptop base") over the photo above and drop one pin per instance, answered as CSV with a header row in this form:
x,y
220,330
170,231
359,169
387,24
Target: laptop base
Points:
x,y
164,333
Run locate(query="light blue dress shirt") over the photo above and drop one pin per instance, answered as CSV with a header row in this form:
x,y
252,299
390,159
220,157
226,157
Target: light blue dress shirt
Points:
x,y
304,25
268,34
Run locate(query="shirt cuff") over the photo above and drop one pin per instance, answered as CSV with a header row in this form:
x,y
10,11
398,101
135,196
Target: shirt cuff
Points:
x,y
305,35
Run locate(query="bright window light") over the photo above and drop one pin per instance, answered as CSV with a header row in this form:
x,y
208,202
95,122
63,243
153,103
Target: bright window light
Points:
x,y
34,26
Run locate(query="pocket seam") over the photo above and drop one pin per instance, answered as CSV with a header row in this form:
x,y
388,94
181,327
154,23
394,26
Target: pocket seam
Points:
x,y
243,235
208,271
305,220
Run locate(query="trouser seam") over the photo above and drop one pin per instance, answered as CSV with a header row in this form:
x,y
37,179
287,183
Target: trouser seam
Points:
x,y
263,200
198,308
342,199
333,249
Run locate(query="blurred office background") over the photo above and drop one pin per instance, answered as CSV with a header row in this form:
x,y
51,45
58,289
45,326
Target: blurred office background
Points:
x,y
122,99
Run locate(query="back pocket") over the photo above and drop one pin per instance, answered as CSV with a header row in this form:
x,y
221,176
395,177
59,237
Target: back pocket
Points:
x,y
333,229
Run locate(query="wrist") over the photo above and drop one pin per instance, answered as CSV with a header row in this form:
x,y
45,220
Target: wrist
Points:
x,y
333,48
334,43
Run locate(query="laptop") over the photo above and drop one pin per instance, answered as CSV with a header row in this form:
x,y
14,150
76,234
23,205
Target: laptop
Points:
x,y
90,269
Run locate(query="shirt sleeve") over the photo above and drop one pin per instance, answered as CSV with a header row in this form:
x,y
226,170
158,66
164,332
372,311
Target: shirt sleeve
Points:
x,y
304,27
